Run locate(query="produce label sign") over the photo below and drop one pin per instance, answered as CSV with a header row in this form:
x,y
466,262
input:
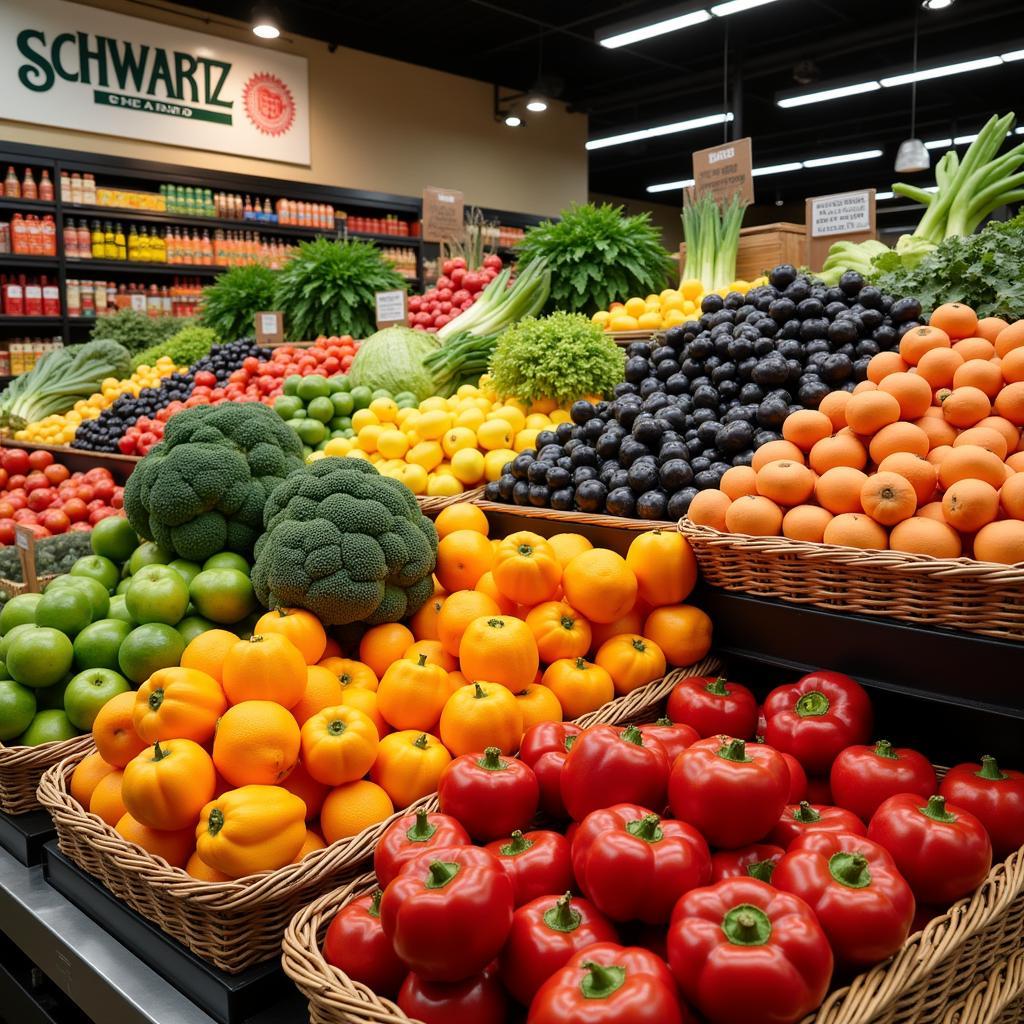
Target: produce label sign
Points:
x,y
725,171
391,308
442,214
848,214
70,66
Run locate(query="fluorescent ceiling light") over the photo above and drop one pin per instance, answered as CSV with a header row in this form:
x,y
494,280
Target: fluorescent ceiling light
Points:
x,y
723,10
829,94
884,195
939,144
936,5
670,186
941,72
843,158
513,121
664,129
1013,55
658,28
777,168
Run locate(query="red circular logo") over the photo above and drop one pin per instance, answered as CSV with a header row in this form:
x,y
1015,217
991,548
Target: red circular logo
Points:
x,y
269,104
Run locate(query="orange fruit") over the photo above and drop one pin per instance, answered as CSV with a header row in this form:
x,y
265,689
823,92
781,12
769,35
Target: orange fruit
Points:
x,y
537,704
898,437
974,348
856,530
956,319
353,807
568,545
105,800
487,585
833,405
424,623
917,341
806,427
881,365
631,622
869,411
682,631
306,788
922,535
888,498
323,690
806,522
267,666
937,430
174,847
632,661
933,510
499,649
864,385
1001,542
113,730
86,775
1010,401
775,450
600,585
936,456
989,327
198,868
989,438
301,627
738,481
257,742
968,505
526,569
911,391
560,632
938,367
381,645
919,472
1009,338
838,490
708,508
462,558
838,450
366,701
971,461
1015,462
983,374
755,516
310,843
459,610
1012,367
664,565
208,651
965,406
435,653
461,516
784,482
1011,500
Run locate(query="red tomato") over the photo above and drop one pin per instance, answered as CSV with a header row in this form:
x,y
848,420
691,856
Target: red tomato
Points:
x,y
40,459
863,777
15,461
356,944
538,863
101,513
7,530
97,473
4,476
16,481
55,520
80,528
41,498
490,795
104,489
75,510
34,481
94,504
56,473
714,707
995,796
411,835
798,819
477,1000
17,499
6,509
25,515
755,861
85,492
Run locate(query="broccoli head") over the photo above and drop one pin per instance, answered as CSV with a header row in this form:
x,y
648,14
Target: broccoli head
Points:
x,y
346,543
203,488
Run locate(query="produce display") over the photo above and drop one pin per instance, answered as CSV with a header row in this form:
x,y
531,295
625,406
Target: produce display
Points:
x,y
924,456
231,302
456,290
135,330
671,307
186,347
712,237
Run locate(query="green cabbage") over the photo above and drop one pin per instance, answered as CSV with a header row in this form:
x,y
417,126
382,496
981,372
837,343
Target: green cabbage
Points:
x,y
393,359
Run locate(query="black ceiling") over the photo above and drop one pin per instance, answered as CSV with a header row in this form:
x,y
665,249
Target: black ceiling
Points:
x,y
680,75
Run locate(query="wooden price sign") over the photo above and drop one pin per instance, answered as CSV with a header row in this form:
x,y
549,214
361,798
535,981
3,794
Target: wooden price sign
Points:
x,y
443,213
725,171
391,307
25,542
846,215
269,328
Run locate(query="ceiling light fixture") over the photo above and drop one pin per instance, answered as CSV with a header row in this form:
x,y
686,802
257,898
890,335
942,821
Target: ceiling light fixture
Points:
x,y
943,71
664,129
776,168
723,10
843,158
513,121
537,104
828,94
1012,56
913,157
673,20
671,186
936,5
265,22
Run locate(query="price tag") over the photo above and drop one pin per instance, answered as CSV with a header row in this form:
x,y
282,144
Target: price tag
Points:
x,y
847,215
392,308
25,542
725,171
443,214
269,328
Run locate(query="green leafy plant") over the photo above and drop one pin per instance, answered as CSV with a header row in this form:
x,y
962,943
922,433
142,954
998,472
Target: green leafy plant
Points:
x,y
134,330
328,287
235,297
563,356
597,255
186,347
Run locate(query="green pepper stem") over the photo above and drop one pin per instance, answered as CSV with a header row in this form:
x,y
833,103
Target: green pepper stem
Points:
x,y
422,830
631,734
335,727
990,770
647,828
478,692
158,752
883,748
664,720
936,809
215,822
491,760
733,750
519,844
563,916
806,813
374,908
718,687
581,663
156,698
812,705
762,870
600,982
421,741
441,873
421,661
850,869
747,925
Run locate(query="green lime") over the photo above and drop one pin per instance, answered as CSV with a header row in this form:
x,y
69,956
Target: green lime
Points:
x,y
404,396
101,569
113,538
119,610
53,696
47,727
40,657
148,554
321,409
322,446
93,589
10,636
223,595
227,560
291,384
295,423
287,406
312,431
88,691
157,594
18,611
381,393
362,396
123,585
339,384
343,403
192,625
97,645
17,709
313,386
66,608
147,648
340,423
188,571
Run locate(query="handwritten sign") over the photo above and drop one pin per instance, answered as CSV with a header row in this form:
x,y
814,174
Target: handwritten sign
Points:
x,y
391,308
269,328
443,210
847,215
725,171
25,542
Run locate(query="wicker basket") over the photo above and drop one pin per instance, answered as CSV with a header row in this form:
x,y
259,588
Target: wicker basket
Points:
x,y
432,505
21,768
237,924
954,593
999,999
572,519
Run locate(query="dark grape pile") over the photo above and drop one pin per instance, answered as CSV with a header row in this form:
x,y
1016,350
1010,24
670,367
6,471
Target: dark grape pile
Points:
x,y
103,433
705,395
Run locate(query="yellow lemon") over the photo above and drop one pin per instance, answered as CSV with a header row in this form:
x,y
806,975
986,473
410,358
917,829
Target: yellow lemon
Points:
x,y
494,462
456,439
537,421
600,317
649,321
623,322
468,466
414,477
471,418
434,404
691,288
525,439
433,424
511,414
338,446
561,416
366,439
443,485
673,317
385,409
635,307
363,418
427,454
357,453
392,444
467,391
495,434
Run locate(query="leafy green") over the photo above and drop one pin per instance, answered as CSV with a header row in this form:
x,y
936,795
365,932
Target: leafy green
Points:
x,y
985,271
393,359
231,303
596,255
135,330
186,347
563,356
328,288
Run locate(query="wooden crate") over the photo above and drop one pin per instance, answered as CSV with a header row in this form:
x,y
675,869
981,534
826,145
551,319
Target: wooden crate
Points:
x,y
765,246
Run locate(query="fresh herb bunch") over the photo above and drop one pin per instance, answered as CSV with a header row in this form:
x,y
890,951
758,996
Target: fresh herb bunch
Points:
x,y
231,303
328,288
986,271
134,330
186,347
563,356
596,255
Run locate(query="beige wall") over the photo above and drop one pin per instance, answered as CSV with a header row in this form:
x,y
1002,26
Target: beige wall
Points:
x,y
385,126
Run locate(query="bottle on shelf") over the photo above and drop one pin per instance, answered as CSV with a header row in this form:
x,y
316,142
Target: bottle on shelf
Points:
x,y
76,188
65,187
96,241
12,293
51,297
48,232
12,187
73,296
109,241
84,240
89,189
120,243
5,237
45,186
29,189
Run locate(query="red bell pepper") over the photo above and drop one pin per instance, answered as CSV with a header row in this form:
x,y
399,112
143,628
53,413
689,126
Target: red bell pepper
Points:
x,y
714,707
732,792
633,866
862,777
356,944
608,766
941,849
490,795
994,796
755,861
409,836
538,863
803,817
673,736
742,950
477,1000
816,717
546,932
544,748
855,890
797,779
609,984
448,912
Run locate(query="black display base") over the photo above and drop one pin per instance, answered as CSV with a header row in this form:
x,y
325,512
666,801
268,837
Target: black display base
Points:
x,y
228,998
27,996
23,835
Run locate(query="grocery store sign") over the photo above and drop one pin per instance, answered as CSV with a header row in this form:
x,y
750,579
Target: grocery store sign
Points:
x,y
725,171
392,308
847,214
443,210
70,66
